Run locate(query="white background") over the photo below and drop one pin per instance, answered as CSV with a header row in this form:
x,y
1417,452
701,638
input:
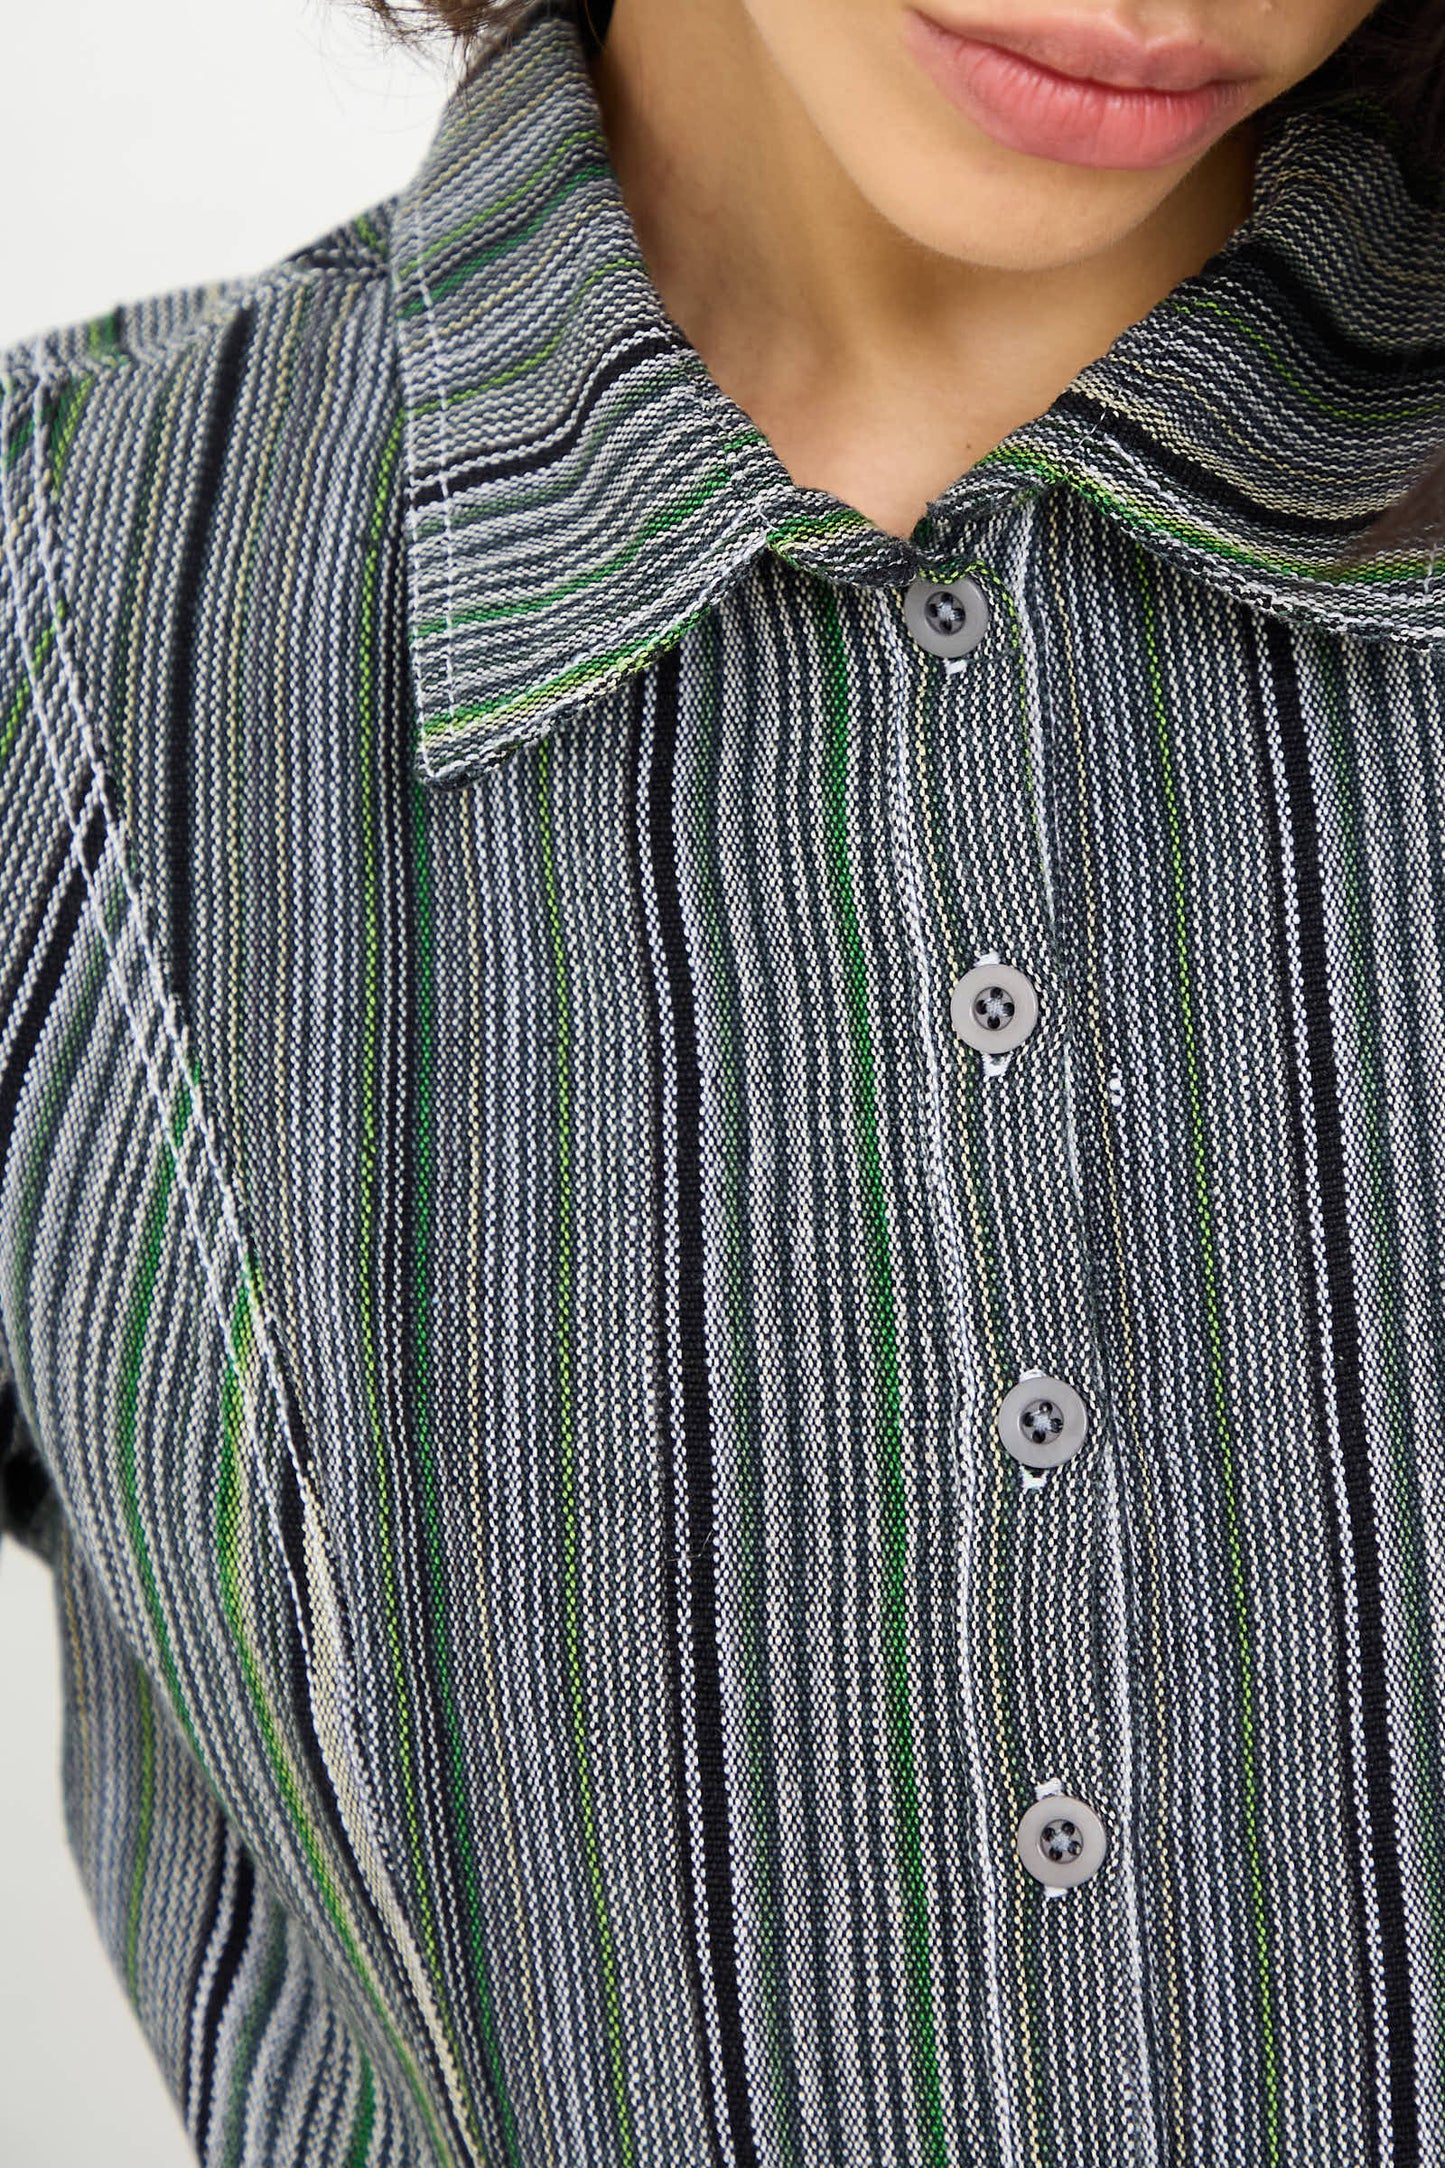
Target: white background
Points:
x,y
144,145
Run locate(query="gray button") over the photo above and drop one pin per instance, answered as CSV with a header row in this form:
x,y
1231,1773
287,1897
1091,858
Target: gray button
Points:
x,y
1061,1841
948,617
1042,1421
994,1008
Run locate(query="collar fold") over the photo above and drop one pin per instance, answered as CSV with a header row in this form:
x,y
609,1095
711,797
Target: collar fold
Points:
x,y
580,490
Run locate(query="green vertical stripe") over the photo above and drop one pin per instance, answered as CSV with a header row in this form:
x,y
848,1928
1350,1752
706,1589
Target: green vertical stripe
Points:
x,y
15,708
145,1823
884,1331
70,403
102,336
24,430
135,1342
365,2120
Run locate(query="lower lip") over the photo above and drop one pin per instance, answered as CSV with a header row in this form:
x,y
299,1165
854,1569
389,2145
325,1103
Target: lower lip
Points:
x,y
1079,123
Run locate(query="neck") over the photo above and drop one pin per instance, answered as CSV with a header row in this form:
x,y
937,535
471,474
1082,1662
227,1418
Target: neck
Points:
x,y
816,313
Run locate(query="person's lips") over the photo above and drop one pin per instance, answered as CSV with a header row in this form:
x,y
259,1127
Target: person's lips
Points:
x,y
1083,93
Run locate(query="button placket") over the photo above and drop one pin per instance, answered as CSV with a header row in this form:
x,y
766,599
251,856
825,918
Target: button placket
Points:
x,y
1026,1299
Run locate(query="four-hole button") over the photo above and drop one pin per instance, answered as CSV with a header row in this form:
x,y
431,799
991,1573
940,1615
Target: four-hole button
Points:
x,y
994,1007
947,617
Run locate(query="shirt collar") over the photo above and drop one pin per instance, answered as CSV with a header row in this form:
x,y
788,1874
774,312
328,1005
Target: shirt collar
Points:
x,y
580,490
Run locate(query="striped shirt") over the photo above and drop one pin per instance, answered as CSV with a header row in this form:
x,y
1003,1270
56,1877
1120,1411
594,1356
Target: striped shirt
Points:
x,y
518,1262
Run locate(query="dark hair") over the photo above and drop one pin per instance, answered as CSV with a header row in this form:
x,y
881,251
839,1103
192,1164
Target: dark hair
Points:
x,y
1393,62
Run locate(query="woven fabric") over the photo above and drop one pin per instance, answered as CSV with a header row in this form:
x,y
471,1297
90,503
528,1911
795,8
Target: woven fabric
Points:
x,y
507,1273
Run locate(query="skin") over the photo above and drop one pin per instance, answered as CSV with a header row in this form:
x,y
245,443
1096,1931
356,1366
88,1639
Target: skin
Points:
x,y
881,286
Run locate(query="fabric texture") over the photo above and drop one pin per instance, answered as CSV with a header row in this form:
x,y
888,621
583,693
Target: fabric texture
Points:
x,y
507,1272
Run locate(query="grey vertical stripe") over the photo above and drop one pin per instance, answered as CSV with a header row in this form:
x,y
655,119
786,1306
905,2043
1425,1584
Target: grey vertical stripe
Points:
x,y
507,1274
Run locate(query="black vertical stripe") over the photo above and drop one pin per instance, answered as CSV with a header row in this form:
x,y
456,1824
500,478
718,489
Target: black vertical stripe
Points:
x,y
224,393
47,979
228,1965
22,947
329,2105
1343,1366
215,1890
673,1651
697,1420
1316,1383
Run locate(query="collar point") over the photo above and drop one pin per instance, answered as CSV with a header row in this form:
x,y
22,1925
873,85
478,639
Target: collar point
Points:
x,y
451,755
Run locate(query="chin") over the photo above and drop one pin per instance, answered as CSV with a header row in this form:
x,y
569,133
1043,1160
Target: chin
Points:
x,y
982,213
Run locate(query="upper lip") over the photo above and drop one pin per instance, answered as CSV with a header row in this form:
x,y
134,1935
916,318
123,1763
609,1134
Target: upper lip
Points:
x,y
1103,51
